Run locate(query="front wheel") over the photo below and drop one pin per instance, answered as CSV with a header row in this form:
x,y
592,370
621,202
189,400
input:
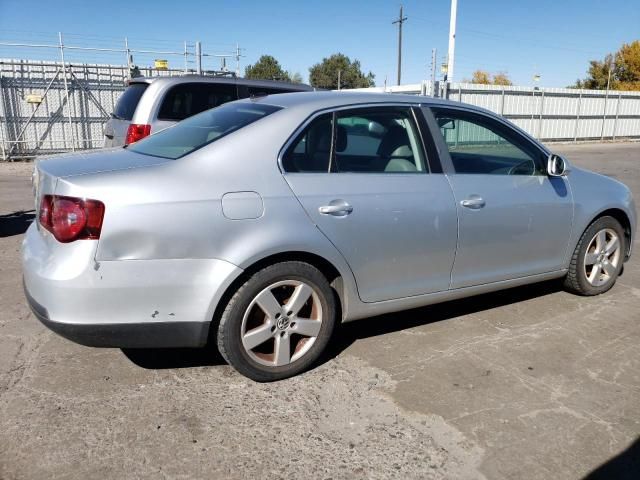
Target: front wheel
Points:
x,y
597,259
278,322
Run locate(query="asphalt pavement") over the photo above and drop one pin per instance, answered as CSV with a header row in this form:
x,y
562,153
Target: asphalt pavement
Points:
x,y
529,383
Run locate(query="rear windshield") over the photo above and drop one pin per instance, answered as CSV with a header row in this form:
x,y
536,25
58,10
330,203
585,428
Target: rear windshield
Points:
x,y
201,130
128,101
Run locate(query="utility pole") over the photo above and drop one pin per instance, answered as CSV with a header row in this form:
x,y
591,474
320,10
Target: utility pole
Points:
x,y
452,39
400,21
339,74
434,53
238,55
199,58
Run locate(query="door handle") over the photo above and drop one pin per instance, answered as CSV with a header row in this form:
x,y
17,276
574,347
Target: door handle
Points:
x,y
474,202
336,209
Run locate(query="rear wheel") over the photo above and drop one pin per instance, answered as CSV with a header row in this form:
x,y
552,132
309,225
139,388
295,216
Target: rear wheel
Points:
x,y
278,322
597,259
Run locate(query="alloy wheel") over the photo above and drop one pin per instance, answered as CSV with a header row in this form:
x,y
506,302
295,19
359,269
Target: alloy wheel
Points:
x,y
602,257
281,323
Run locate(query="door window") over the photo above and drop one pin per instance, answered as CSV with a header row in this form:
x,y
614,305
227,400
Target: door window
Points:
x,y
480,145
378,140
311,150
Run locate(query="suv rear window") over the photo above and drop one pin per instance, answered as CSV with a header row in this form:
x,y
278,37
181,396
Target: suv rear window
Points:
x,y
185,100
128,101
201,130
262,91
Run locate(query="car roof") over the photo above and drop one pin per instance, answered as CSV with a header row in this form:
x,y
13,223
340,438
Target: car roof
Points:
x,y
331,99
222,80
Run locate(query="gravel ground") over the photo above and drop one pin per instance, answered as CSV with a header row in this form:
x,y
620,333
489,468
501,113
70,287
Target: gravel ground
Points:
x,y
530,383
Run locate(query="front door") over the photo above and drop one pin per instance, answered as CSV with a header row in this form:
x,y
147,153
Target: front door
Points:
x,y
362,176
515,220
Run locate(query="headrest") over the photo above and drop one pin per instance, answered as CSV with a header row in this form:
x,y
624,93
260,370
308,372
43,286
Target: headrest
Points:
x,y
395,137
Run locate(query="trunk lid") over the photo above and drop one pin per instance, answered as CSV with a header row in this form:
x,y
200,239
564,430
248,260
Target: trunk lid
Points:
x,y
49,169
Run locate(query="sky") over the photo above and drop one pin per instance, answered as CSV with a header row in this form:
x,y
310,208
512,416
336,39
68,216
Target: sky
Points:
x,y
552,38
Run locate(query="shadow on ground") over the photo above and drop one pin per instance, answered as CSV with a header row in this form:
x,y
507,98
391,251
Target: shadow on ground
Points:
x,y
15,223
625,466
348,333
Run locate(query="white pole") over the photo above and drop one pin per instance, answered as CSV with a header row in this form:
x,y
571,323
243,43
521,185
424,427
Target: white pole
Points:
x,y
198,58
452,40
433,71
66,91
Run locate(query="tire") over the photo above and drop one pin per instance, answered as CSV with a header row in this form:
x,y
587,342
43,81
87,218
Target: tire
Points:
x,y
581,278
286,342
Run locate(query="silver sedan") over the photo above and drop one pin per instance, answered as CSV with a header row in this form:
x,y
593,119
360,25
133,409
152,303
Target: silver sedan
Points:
x,y
258,225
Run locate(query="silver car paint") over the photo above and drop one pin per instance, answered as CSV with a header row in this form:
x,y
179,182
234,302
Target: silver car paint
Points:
x,y
168,248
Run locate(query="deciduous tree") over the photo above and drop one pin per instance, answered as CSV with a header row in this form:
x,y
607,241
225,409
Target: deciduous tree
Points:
x,y
623,65
325,73
266,68
485,78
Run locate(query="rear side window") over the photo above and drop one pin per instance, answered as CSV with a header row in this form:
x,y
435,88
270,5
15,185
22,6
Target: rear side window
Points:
x,y
378,140
311,150
262,91
128,101
201,130
185,100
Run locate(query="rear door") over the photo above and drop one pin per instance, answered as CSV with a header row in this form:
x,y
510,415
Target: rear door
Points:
x,y
364,178
115,130
515,220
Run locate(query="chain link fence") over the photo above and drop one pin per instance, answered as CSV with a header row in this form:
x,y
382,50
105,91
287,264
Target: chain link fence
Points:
x,y
61,104
50,107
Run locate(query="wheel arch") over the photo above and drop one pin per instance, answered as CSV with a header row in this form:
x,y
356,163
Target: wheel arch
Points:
x,y
623,218
327,268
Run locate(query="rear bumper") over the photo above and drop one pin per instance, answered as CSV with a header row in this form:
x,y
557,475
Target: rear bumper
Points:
x,y
125,335
126,303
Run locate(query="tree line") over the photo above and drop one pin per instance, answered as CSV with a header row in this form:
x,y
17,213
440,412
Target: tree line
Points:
x,y
325,74
617,71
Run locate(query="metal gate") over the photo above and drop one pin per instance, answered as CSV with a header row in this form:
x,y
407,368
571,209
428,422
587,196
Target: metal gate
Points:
x,y
50,107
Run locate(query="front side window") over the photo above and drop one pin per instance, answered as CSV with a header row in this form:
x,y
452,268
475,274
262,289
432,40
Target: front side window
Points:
x,y
202,129
367,140
481,145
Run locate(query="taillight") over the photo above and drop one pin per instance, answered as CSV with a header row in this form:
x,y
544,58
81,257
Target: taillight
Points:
x,y
70,218
137,131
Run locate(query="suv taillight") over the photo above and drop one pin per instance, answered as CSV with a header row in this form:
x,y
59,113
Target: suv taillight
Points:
x,y
70,218
137,131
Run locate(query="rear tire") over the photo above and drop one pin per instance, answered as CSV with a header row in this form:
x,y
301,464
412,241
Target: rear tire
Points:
x,y
597,260
278,322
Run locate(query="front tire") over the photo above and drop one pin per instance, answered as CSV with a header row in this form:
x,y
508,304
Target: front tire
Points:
x,y
278,322
597,259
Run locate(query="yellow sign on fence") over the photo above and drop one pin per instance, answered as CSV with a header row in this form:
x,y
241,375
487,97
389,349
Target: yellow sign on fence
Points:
x,y
161,64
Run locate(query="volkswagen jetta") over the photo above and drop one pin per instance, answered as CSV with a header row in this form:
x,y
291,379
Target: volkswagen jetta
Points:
x,y
258,225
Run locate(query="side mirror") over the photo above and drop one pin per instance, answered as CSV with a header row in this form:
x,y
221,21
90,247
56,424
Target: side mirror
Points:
x,y
557,166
